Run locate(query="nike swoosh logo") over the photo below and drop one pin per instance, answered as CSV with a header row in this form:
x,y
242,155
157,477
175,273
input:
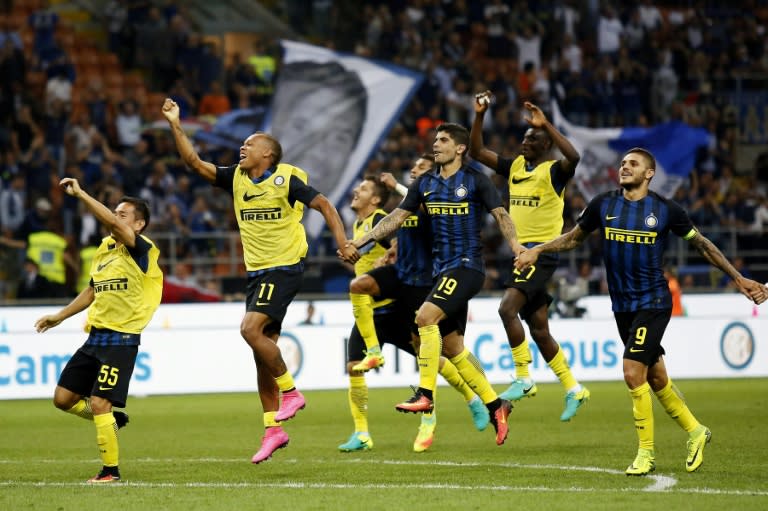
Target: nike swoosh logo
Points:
x,y
611,217
427,194
105,388
518,181
247,197
633,350
102,266
520,280
439,297
262,303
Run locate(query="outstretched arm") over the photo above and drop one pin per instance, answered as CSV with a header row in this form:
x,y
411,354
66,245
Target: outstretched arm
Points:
x,y
384,228
203,168
567,241
79,303
753,290
333,220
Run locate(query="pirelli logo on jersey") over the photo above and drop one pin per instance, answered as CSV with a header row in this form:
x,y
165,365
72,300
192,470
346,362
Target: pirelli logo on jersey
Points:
x,y
528,201
627,236
120,284
448,208
260,214
411,221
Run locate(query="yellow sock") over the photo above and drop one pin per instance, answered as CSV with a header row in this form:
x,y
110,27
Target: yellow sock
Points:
x,y
429,356
285,382
106,438
642,410
672,401
358,402
82,409
474,376
269,420
522,357
560,367
452,376
362,310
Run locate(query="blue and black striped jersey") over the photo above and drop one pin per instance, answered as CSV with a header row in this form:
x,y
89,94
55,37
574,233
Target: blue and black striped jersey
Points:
x,y
456,208
634,235
414,251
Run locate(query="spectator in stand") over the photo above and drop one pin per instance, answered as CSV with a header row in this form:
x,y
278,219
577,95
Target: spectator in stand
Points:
x,y
44,22
12,204
214,102
676,291
32,284
128,124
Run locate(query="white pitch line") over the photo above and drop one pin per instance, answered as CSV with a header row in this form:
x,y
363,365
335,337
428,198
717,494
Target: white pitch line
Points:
x,y
357,487
661,483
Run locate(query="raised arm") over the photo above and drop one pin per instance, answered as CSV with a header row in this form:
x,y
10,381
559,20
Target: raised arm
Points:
x,y
122,232
187,152
562,243
753,290
333,220
537,119
477,148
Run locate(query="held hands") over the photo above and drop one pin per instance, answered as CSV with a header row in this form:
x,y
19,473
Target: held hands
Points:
x,y
537,119
171,110
526,259
46,322
70,186
348,253
755,291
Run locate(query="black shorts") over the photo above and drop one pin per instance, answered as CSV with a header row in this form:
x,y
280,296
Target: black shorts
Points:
x,y
533,282
451,293
392,327
407,297
103,371
641,332
271,293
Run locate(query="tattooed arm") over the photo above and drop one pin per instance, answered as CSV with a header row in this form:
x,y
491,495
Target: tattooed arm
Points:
x,y
508,230
562,243
753,290
384,228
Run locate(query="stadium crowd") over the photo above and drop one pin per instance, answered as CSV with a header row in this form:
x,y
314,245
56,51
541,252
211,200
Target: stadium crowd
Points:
x,y
616,65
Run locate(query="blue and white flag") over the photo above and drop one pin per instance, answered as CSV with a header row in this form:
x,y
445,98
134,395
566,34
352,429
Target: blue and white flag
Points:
x,y
674,144
330,112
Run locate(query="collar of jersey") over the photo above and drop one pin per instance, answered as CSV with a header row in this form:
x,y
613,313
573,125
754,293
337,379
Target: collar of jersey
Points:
x,y
266,175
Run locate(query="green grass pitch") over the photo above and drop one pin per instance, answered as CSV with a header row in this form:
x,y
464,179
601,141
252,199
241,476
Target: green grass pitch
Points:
x,y
193,452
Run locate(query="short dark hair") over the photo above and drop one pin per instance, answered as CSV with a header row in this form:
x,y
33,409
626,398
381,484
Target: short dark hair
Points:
x,y
428,156
379,189
277,149
141,209
457,132
648,156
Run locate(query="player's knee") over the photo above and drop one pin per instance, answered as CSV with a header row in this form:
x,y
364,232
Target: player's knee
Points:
x,y
61,403
424,319
363,285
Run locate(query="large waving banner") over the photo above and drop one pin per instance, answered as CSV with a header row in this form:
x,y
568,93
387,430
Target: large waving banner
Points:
x,y
674,144
330,111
